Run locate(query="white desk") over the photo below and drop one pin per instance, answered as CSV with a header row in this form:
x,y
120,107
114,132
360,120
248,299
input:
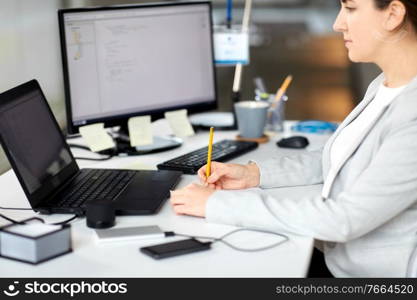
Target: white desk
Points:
x,y
122,259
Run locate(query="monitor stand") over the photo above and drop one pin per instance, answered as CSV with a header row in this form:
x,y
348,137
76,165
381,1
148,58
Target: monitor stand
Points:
x,y
218,120
123,147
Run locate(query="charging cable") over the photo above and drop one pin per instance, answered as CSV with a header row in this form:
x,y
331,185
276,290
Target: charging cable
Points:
x,y
38,219
65,221
12,220
88,149
19,222
15,208
222,239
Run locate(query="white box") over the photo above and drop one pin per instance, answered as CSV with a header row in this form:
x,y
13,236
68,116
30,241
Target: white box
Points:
x,y
34,242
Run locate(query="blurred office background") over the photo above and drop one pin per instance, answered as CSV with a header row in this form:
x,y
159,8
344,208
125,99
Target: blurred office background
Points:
x,y
287,37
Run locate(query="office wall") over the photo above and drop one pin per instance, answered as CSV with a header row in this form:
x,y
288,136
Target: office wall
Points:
x,y
30,45
29,49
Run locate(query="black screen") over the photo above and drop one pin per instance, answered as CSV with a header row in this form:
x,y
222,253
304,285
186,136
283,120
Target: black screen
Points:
x,y
33,141
175,248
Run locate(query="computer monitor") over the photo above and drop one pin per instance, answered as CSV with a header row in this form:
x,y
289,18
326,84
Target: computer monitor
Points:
x,y
133,60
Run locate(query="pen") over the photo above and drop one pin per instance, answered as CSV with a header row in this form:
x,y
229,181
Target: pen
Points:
x,y
260,85
210,148
281,91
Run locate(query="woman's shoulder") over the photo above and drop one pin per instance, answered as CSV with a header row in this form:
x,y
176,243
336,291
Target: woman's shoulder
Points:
x,y
404,108
402,112
406,101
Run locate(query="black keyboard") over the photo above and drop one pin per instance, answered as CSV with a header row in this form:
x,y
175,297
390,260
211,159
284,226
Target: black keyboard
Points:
x,y
224,150
93,184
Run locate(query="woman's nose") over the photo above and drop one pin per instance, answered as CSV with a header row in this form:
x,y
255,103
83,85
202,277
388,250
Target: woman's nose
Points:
x,y
339,24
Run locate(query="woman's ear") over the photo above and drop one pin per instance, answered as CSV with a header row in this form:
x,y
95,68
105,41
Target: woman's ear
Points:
x,y
396,14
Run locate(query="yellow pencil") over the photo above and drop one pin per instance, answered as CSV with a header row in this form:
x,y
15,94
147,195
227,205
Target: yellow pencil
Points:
x,y
210,149
281,91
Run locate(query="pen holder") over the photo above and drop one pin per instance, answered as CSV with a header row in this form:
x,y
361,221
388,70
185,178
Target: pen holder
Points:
x,y
276,115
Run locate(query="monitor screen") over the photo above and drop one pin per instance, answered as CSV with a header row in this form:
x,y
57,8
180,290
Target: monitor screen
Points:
x,y
136,60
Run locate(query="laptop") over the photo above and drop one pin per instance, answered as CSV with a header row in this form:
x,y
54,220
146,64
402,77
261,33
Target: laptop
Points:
x,y
48,172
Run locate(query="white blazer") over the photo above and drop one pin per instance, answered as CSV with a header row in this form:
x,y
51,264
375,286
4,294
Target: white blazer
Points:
x,y
368,219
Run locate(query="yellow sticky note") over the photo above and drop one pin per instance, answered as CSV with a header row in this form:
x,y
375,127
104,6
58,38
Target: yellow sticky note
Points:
x,y
139,166
140,131
179,123
96,137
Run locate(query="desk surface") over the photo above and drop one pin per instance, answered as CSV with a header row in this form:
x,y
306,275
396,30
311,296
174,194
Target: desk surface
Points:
x,y
123,259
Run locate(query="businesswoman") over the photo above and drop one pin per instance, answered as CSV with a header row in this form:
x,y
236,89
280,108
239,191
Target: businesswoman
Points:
x,y
365,218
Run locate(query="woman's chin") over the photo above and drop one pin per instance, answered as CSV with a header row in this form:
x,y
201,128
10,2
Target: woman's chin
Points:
x,y
352,56
357,58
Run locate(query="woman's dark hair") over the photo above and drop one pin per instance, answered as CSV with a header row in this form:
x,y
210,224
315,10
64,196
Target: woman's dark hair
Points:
x,y
410,5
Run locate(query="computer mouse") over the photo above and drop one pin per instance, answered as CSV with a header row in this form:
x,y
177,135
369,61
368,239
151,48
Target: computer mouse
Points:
x,y
295,142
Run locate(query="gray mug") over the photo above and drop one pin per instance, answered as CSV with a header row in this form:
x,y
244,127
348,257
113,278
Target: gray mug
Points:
x,y
251,118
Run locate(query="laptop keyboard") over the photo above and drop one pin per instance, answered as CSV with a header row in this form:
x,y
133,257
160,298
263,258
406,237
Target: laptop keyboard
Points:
x,y
93,184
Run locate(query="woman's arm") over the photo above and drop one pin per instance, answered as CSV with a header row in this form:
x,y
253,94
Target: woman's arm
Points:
x,y
387,187
301,169
294,170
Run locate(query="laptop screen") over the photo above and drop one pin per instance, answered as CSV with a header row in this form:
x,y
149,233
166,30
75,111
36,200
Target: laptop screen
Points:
x,y
32,140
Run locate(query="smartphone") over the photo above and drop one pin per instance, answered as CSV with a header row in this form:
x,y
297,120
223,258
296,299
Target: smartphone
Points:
x,y
129,233
175,248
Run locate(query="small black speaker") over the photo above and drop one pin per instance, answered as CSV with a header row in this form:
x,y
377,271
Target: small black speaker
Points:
x,y
100,213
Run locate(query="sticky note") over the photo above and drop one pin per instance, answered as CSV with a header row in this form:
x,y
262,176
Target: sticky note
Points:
x,y
179,123
139,165
96,137
140,131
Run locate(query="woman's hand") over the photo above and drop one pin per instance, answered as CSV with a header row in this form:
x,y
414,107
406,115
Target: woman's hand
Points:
x,y
230,176
191,200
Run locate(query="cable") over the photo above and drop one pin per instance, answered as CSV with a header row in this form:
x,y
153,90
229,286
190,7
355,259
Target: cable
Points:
x,y
20,222
78,146
11,220
95,159
72,136
170,233
88,149
286,238
64,222
38,219
221,239
15,208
